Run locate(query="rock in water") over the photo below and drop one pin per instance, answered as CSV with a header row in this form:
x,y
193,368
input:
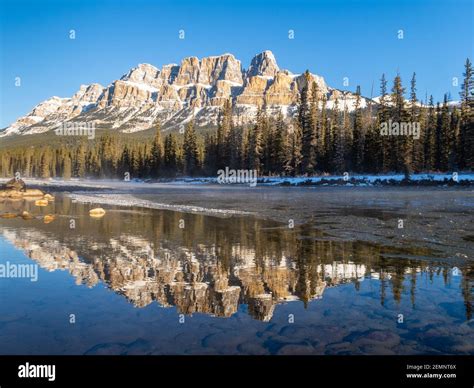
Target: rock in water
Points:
x,y
26,216
48,197
97,212
16,189
15,184
8,215
41,202
48,218
32,193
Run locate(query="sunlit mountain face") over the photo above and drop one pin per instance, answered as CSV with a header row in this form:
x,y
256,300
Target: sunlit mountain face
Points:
x,y
235,267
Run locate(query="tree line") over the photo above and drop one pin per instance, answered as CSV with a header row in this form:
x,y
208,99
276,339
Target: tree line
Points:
x,y
317,140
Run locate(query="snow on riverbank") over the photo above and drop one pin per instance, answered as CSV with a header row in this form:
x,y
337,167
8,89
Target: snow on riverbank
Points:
x,y
369,179
341,180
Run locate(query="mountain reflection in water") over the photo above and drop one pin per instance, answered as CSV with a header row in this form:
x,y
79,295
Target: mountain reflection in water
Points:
x,y
213,264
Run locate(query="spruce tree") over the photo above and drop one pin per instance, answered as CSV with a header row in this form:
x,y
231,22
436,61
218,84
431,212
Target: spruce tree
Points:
x,y
67,168
445,137
45,168
401,155
80,160
338,146
293,166
254,143
223,129
156,153
430,138
170,158
279,155
414,146
308,136
358,135
466,135
210,153
190,150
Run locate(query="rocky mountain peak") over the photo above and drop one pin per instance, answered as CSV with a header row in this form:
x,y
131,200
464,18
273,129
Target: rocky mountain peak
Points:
x,y
263,64
144,73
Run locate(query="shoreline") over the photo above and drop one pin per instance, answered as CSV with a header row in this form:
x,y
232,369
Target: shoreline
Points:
x,y
439,217
461,179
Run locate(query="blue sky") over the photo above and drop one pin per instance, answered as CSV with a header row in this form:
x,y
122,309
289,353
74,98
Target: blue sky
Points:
x,y
333,38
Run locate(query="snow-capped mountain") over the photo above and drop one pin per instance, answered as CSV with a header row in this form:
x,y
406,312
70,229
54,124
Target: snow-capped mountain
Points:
x,y
175,94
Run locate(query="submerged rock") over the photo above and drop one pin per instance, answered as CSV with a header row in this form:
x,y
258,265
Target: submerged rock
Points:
x,y
33,193
8,215
48,218
26,216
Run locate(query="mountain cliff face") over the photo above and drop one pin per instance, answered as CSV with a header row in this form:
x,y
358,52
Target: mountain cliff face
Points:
x,y
175,94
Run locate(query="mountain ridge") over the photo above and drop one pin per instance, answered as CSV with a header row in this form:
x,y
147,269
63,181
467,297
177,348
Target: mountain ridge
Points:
x,y
175,94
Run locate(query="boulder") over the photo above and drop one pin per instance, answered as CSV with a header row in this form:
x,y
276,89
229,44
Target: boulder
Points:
x,y
15,184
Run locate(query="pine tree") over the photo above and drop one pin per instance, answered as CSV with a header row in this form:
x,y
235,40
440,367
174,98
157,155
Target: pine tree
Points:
x,y
156,153
326,129
80,161
414,146
430,138
419,146
254,143
338,148
234,147
307,129
383,115
267,132
67,168
223,129
210,154
45,168
279,155
401,155
438,148
295,156
125,162
358,135
466,135
316,123
170,158
190,150
445,138
455,129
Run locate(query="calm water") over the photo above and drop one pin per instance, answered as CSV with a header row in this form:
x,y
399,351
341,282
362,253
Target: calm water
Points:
x,y
160,282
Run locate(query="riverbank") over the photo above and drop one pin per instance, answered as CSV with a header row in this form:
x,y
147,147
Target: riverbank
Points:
x,y
438,218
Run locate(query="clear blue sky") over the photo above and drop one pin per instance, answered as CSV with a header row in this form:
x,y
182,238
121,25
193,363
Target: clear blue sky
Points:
x,y
333,38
